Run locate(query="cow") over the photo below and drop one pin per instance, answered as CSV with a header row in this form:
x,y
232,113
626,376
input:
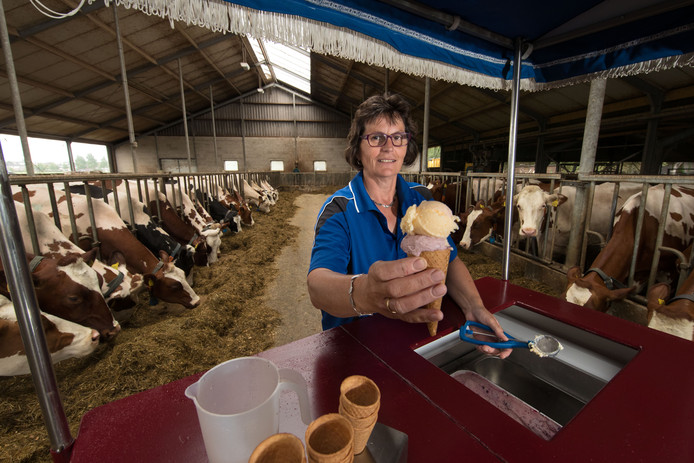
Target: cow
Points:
x,y
673,315
152,235
64,340
263,191
602,283
148,233
210,233
85,295
260,201
164,280
181,231
241,206
219,212
482,222
234,202
271,190
601,212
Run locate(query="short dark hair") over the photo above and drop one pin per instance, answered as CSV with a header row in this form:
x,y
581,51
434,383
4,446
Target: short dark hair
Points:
x,y
389,106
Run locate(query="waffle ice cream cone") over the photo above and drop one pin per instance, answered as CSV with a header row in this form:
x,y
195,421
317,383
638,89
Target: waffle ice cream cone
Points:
x,y
427,227
439,260
279,448
330,439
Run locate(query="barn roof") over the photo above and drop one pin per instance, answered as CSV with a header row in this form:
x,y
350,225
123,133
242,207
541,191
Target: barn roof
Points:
x,y
69,76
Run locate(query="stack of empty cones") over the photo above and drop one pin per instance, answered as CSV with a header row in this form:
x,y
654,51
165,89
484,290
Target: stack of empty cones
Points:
x,y
360,400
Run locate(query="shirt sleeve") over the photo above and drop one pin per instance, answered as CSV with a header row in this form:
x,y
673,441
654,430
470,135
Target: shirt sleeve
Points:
x,y
331,245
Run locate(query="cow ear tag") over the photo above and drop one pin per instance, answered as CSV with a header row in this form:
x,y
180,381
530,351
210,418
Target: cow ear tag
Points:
x,y
150,283
661,301
481,206
115,266
555,203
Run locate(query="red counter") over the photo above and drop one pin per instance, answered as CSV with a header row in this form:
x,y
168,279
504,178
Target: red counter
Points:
x,y
646,413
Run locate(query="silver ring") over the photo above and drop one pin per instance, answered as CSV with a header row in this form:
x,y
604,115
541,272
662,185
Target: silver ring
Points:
x,y
388,306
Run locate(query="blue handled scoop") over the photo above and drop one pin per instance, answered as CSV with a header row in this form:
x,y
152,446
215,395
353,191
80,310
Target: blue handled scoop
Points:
x,y
542,345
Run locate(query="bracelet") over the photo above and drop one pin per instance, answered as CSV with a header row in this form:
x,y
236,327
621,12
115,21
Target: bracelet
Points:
x,y
351,290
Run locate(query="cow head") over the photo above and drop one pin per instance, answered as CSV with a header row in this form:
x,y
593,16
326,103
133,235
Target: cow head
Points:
x,y
590,290
169,284
69,289
673,317
532,204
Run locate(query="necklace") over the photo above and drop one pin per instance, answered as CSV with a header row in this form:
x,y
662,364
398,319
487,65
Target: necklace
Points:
x,y
384,205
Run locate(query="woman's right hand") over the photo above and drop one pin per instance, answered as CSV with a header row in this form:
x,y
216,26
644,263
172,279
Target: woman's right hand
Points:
x,y
400,288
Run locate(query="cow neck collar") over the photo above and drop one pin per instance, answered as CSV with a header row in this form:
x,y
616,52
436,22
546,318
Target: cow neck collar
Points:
x,y
158,267
689,297
114,284
610,282
35,262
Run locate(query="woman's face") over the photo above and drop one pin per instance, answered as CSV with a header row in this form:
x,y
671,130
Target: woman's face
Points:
x,y
386,160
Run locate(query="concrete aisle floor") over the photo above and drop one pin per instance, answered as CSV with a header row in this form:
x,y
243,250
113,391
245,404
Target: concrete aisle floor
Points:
x,y
287,293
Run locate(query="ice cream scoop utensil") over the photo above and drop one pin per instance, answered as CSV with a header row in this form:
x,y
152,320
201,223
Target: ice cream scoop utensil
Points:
x,y
542,345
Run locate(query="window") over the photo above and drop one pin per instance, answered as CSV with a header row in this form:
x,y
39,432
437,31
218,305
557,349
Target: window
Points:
x,y
51,156
434,157
90,157
276,166
231,165
320,166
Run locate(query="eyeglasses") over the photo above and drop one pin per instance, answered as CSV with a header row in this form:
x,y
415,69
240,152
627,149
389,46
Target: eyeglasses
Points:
x,y
380,139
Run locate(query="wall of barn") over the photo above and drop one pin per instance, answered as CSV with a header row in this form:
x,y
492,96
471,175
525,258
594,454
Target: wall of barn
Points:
x,y
151,151
277,125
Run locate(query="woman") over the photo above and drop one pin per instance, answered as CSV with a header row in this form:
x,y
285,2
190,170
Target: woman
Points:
x,y
357,267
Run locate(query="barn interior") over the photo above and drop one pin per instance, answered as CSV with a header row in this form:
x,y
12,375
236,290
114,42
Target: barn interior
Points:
x,y
114,75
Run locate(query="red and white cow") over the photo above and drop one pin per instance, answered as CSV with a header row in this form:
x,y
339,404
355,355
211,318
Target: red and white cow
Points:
x,y
232,203
164,280
212,234
64,339
532,204
153,236
253,197
602,283
482,221
71,288
600,216
673,315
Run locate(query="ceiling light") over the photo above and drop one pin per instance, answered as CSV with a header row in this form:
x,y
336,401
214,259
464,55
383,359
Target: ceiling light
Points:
x,y
260,90
245,65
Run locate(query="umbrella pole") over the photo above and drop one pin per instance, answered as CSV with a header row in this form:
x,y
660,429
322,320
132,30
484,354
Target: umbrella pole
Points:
x,y
510,184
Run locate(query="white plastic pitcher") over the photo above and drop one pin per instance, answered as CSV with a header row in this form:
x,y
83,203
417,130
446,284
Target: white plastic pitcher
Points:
x,y
238,405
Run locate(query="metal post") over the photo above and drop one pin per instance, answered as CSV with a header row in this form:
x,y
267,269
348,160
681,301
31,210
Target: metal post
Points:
x,y
214,133
14,87
425,136
26,308
243,136
185,117
587,163
126,92
69,156
508,221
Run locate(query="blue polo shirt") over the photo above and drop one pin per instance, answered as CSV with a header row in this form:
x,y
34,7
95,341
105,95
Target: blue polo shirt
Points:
x,y
351,233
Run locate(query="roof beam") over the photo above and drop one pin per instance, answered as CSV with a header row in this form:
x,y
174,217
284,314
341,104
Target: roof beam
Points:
x,y
206,57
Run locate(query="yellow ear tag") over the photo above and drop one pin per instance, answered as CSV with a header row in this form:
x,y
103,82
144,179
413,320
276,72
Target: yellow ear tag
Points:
x,y
150,283
115,266
504,203
555,203
481,206
661,301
